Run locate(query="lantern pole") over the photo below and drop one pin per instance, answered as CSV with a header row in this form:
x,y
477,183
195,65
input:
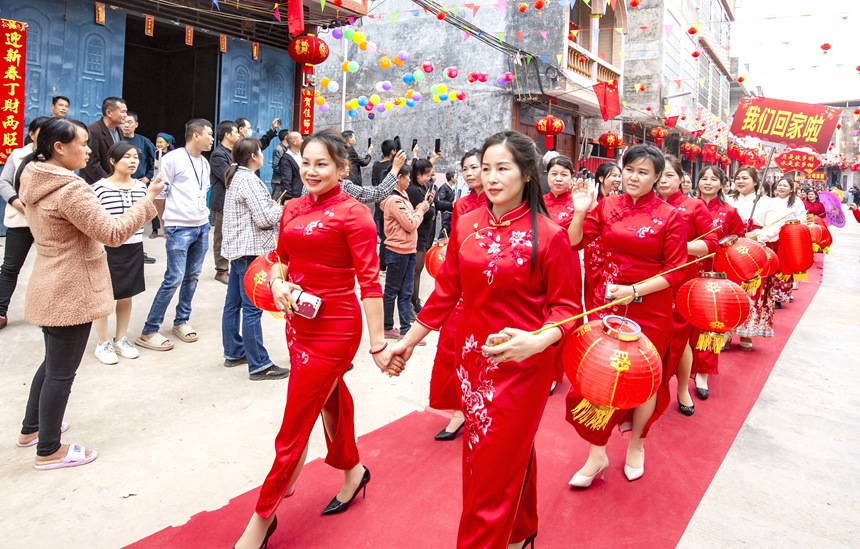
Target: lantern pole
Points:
x,y
343,88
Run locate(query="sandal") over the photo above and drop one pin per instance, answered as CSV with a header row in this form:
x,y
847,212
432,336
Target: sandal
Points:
x,y
77,455
185,332
63,428
746,344
154,343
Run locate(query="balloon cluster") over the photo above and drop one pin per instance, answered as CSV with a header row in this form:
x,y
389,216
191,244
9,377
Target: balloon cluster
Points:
x,y
477,77
442,93
374,104
320,101
503,79
329,84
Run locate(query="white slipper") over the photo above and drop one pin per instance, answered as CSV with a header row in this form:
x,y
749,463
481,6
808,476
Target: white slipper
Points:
x,y
63,428
76,456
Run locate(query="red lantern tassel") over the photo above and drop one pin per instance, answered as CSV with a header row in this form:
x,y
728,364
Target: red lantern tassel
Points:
x,y
784,277
711,341
307,69
610,152
549,142
592,416
826,249
751,286
801,276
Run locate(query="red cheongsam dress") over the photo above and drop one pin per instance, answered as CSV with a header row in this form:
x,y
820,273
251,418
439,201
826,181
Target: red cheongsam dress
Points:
x,y
726,217
561,211
593,255
325,244
697,221
490,265
444,385
641,240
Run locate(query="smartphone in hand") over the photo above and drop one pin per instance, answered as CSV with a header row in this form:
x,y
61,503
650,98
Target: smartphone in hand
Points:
x,y
438,146
397,145
369,141
414,144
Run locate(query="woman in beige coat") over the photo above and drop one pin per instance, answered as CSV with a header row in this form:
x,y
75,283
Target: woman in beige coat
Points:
x,y
70,284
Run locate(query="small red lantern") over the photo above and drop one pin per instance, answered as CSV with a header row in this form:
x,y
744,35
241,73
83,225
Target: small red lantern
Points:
x,y
825,47
256,282
695,151
692,30
523,7
735,151
857,111
715,306
772,266
539,5
826,237
634,3
434,259
740,79
659,134
440,16
611,141
641,87
582,58
308,51
696,54
743,260
613,366
795,249
549,126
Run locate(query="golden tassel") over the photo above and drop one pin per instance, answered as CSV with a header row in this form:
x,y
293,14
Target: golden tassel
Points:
x,y
592,416
801,276
815,248
784,277
751,286
826,250
711,341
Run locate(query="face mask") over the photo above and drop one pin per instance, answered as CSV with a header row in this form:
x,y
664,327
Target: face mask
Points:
x,y
249,133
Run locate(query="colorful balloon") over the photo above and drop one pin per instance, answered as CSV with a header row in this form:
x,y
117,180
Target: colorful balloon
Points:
x,y
397,61
324,82
385,62
348,33
324,107
370,47
427,67
374,99
363,100
403,55
352,66
333,87
451,72
408,78
419,76
337,33
410,103
380,108
416,96
359,38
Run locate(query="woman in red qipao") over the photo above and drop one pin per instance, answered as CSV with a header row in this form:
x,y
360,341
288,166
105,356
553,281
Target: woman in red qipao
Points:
x,y
643,237
813,203
608,179
701,240
326,240
711,182
445,391
560,207
511,265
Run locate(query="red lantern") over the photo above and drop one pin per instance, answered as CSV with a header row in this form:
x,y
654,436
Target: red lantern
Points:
x,y
695,151
434,259
611,141
715,306
772,266
308,51
634,3
549,126
740,79
692,30
440,16
696,54
539,5
659,134
795,249
257,279
735,151
743,260
613,366
582,59
825,47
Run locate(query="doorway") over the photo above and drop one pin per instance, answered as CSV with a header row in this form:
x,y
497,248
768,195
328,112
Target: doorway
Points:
x,y
166,82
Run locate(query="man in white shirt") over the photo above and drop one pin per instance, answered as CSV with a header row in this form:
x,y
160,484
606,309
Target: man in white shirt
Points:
x,y
186,225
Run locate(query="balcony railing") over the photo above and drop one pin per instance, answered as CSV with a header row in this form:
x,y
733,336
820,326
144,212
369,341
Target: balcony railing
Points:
x,y
590,67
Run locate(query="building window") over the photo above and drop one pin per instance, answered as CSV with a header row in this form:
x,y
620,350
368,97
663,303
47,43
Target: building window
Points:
x,y
240,90
278,89
94,49
34,43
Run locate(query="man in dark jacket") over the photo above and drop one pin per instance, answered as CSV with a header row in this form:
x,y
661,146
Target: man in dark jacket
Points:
x,y
226,135
245,130
288,170
355,161
445,203
377,173
103,133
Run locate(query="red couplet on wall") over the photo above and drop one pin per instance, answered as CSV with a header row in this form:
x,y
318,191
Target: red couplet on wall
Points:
x,y
13,62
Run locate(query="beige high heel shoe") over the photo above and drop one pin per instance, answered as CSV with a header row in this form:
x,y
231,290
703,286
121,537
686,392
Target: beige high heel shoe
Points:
x,y
582,481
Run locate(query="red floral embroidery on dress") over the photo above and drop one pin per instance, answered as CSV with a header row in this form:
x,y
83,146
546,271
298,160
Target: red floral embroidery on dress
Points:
x,y
297,359
475,398
519,245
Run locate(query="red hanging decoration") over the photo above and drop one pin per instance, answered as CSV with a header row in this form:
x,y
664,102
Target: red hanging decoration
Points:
x,y
715,306
256,282
635,3
613,366
772,265
440,16
692,30
434,259
539,5
611,141
549,126
825,47
740,79
735,151
795,250
743,260
696,54
659,134
308,51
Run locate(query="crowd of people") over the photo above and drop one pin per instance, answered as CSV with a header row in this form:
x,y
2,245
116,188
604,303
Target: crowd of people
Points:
x,y
83,194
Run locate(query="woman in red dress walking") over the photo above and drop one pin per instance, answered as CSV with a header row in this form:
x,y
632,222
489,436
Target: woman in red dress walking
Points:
x,y
445,391
326,240
608,179
701,240
511,265
643,236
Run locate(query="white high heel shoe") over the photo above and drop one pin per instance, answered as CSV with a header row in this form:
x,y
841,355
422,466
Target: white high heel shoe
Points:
x,y
635,473
582,481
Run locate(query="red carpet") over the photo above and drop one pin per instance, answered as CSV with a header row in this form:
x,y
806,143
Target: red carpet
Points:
x,y
413,500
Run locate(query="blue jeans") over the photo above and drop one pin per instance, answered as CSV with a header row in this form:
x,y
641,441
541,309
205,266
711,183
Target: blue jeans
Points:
x,y
186,248
250,343
399,277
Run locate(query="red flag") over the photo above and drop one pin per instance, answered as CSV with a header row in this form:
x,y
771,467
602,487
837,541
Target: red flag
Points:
x,y
607,98
709,152
672,121
296,17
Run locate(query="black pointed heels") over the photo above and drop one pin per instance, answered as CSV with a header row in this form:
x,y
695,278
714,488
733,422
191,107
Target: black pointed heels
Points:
x,y
445,434
335,506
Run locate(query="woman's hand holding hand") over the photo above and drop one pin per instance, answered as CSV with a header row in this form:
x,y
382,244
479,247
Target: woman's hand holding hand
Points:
x,y
383,360
399,354
282,295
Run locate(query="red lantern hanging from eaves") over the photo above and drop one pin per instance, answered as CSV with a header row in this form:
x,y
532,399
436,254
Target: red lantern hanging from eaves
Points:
x,y
611,141
550,126
713,304
659,134
308,51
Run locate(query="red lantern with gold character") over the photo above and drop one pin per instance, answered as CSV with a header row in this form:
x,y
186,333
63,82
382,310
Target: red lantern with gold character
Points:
x,y
256,282
613,366
549,126
611,141
772,266
434,259
743,260
795,249
308,51
659,134
713,304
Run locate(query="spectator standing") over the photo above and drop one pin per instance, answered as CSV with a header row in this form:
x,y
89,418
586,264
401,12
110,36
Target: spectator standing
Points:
x,y
146,159
421,189
103,133
250,217
445,198
245,130
185,173
163,145
227,135
355,162
60,106
276,159
288,170
377,172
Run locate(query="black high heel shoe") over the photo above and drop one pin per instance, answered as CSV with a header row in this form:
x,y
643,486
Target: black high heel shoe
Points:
x,y
445,434
335,506
687,410
269,532
530,541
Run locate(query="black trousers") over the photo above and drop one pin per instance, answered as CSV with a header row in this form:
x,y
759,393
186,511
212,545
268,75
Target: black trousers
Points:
x,y
18,243
52,384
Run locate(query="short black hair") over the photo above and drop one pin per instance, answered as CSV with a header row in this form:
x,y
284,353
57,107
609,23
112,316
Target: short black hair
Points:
x,y
282,134
195,125
58,98
224,127
646,152
240,122
132,114
347,134
387,147
449,175
37,123
110,103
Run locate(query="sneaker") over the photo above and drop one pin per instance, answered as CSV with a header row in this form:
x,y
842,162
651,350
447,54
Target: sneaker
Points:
x,y
105,353
272,372
393,334
147,259
231,362
126,348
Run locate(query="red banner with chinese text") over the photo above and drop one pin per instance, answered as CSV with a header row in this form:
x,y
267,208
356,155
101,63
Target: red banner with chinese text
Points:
x,y
797,161
786,122
306,115
13,63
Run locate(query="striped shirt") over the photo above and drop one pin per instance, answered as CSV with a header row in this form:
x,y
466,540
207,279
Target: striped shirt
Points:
x,y
116,201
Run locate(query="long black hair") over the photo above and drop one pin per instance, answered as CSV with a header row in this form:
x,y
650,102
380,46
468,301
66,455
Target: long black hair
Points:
x,y
242,152
117,151
525,155
419,167
55,130
793,194
602,172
